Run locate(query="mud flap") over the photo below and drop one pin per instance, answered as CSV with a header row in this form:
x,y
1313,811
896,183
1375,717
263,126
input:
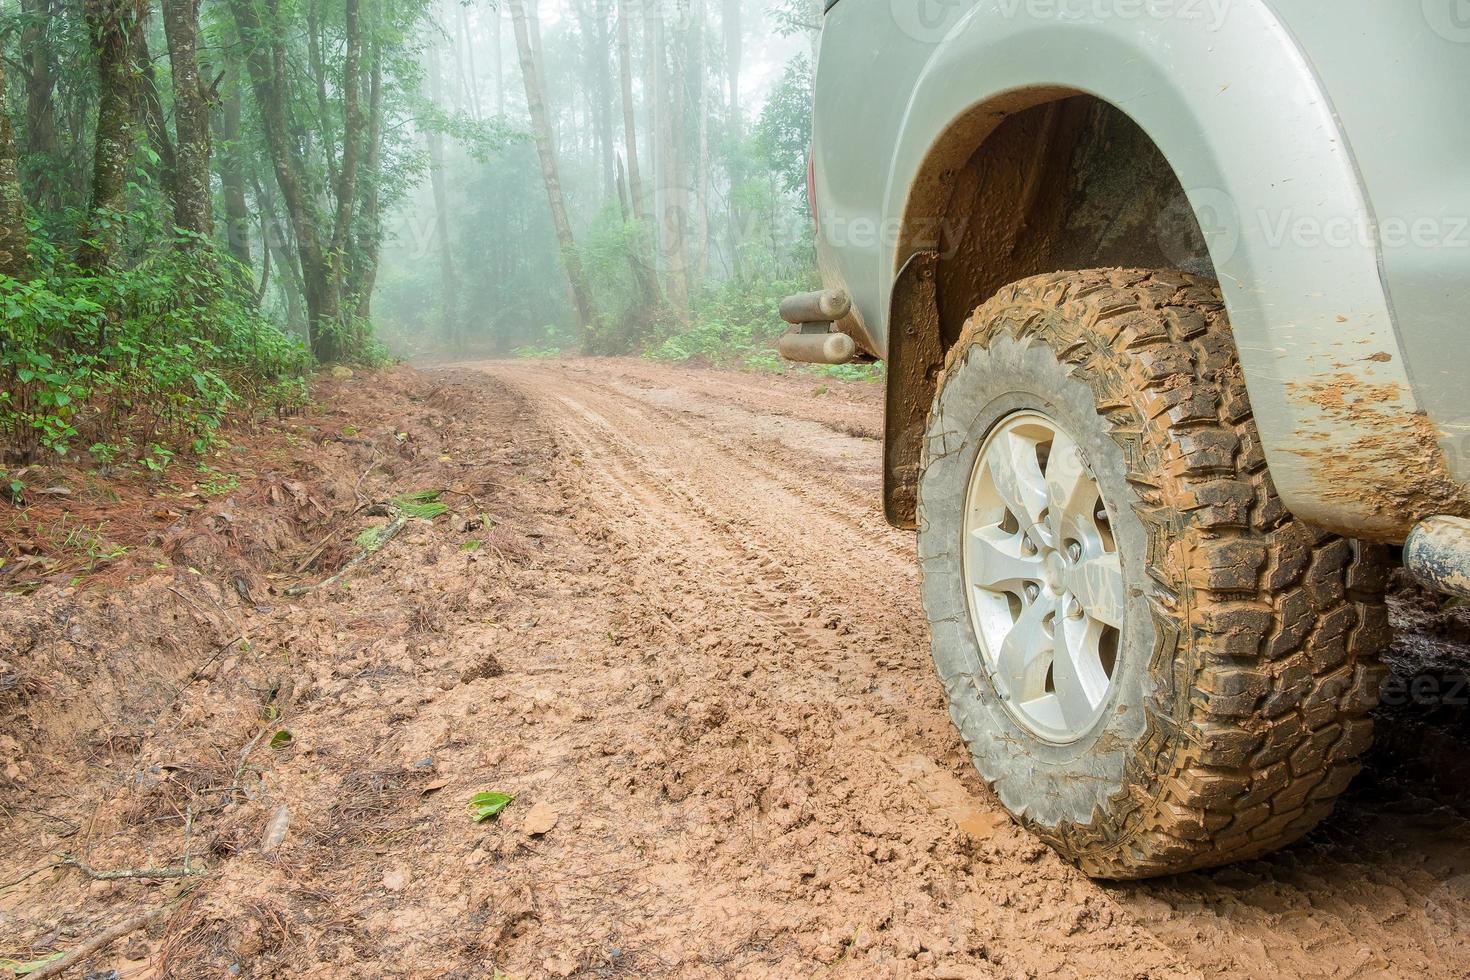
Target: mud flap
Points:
x,y
915,359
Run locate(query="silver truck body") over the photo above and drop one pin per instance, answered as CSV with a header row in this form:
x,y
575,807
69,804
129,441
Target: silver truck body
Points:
x,y
1321,154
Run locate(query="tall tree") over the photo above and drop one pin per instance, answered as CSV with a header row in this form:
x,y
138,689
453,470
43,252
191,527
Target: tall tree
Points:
x,y
110,23
363,273
266,60
449,323
42,145
630,124
150,107
193,196
232,166
546,152
13,256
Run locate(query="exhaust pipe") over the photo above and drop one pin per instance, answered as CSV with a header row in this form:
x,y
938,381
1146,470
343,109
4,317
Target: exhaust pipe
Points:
x,y
816,343
1437,554
824,306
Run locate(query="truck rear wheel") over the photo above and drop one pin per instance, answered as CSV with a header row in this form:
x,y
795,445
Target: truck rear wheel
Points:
x,y
1153,664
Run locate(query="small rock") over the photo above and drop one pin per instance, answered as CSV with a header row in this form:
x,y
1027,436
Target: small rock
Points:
x,y
275,830
395,880
559,967
540,819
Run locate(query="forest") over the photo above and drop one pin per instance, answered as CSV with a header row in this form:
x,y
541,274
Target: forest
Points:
x,y
201,201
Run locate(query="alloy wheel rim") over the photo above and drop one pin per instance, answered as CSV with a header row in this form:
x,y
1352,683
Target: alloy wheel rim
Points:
x,y
1043,578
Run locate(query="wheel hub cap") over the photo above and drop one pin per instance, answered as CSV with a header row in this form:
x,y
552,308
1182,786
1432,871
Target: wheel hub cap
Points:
x,y
1043,578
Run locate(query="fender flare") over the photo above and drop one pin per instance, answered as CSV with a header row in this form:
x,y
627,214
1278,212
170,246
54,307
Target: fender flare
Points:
x,y
1254,141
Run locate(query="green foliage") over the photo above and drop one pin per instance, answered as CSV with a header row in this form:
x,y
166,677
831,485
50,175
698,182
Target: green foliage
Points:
x,y
142,363
487,806
734,325
783,134
421,504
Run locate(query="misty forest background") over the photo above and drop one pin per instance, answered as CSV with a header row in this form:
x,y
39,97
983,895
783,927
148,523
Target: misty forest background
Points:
x,y
200,202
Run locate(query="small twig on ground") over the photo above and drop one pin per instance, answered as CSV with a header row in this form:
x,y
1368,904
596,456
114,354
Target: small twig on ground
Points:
x,y
191,602
245,754
188,835
102,940
198,672
389,533
357,487
130,874
474,501
316,549
31,874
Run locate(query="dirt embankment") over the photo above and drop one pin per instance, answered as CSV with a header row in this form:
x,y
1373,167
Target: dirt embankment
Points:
x,y
664,612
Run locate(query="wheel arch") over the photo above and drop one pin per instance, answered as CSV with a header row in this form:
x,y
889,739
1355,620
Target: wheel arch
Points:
x,y
1239,129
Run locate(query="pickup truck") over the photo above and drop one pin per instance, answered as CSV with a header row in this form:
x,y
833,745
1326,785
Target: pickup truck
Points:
x,y
1172,296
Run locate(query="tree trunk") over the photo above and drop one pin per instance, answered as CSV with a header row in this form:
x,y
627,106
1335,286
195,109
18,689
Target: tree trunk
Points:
x,y
498,60
465,40
352,131
110,23
541,126
193,198
701,173
653,98
599,89
674,216
448,277
364,275
150,109
232,172
13,254
734,31
266,61
275,240
41,142
630,124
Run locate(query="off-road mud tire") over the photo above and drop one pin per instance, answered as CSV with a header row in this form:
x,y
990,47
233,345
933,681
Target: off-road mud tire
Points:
x,y
1249,662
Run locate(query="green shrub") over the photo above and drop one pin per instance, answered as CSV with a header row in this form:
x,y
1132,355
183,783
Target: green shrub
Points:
x,y
143,363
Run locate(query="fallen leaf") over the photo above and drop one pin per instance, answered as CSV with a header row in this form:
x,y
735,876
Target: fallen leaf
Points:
x,y
487,806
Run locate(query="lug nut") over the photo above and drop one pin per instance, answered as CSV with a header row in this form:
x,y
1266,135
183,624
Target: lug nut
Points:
x,y
1074,551
1032,592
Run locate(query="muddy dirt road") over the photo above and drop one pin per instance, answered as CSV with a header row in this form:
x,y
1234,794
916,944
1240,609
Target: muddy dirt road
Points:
x,y
696,655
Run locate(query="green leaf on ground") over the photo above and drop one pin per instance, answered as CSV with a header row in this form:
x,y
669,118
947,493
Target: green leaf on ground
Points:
x,y
372,539
281,739
423,504
425,512
487,806
26,968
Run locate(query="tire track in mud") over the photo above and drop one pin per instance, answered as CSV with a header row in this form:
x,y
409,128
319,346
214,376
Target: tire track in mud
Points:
x,y
899,736
774,530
